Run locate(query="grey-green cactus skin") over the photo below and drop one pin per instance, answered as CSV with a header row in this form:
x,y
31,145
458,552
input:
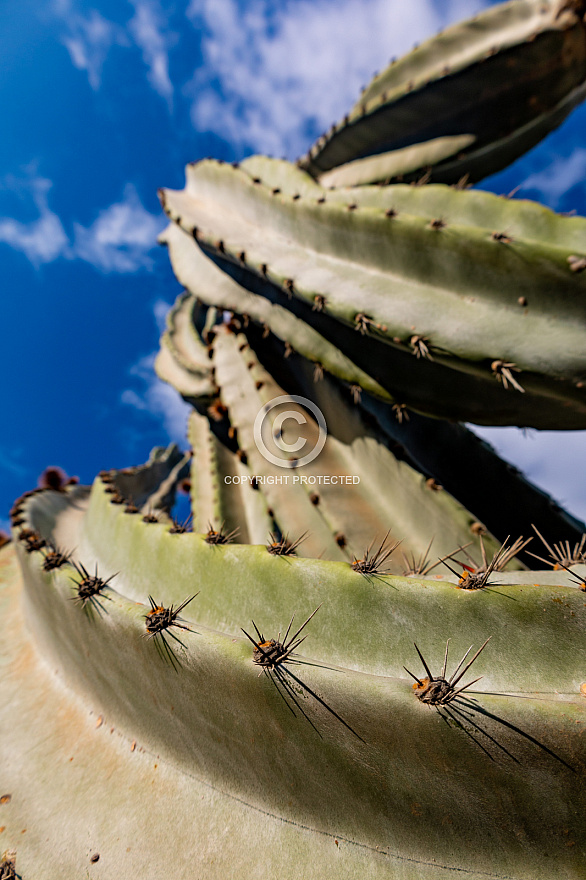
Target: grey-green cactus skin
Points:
x,y
498,496
467,102
425,722
468,299
100,701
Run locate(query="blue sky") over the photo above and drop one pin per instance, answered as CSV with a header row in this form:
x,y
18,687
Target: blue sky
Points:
x,y
106,101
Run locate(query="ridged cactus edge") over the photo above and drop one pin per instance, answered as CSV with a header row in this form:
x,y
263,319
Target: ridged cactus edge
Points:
x,y
95,699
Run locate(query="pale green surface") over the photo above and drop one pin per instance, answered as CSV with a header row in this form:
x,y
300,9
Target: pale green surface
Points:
x,y
465,305
456,287
526,55
537,633
231,758
385,166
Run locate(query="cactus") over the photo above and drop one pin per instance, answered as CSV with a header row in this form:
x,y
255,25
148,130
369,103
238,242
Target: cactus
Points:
x,y
345,665
466,103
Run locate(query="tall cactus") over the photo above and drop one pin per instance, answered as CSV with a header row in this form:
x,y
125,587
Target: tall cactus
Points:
x,y
240,692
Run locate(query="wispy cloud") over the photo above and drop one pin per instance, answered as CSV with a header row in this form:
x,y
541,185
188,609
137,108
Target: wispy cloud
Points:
x,y
88,39
561,176
272,74
120,238
149,30
41,240
10,464
553,460
158,400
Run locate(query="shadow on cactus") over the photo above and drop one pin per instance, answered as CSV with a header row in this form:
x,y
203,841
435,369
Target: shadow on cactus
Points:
x,y
390,314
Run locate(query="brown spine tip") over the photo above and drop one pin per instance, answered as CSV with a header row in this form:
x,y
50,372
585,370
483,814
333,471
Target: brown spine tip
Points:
x,y
264,269
220,247
242,256
390,213
321,200
275,191
577,264
340,539
522,300
352,207
501,237
438,223
296,197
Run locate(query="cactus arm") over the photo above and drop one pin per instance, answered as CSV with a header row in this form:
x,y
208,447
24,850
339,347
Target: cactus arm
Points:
x,y
203,720
527,56
467,300
216,288
216,498
402,163
291,503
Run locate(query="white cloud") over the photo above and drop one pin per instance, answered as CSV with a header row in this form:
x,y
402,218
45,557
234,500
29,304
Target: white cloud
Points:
x,y
553,460
160,311
149,31
159,400
557,179
120,239
280,71
88,39
41,240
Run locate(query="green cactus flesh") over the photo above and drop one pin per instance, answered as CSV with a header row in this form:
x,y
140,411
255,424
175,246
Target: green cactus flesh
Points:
x,y
473,301
107,719
528,56
341,666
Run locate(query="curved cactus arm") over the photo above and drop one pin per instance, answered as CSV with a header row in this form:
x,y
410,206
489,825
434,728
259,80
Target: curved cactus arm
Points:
x,y
193,736
216,288
468,467
150,486
246,389
522,219
521,610
469,321
398,164
528,56
183,336
398,496
217,499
